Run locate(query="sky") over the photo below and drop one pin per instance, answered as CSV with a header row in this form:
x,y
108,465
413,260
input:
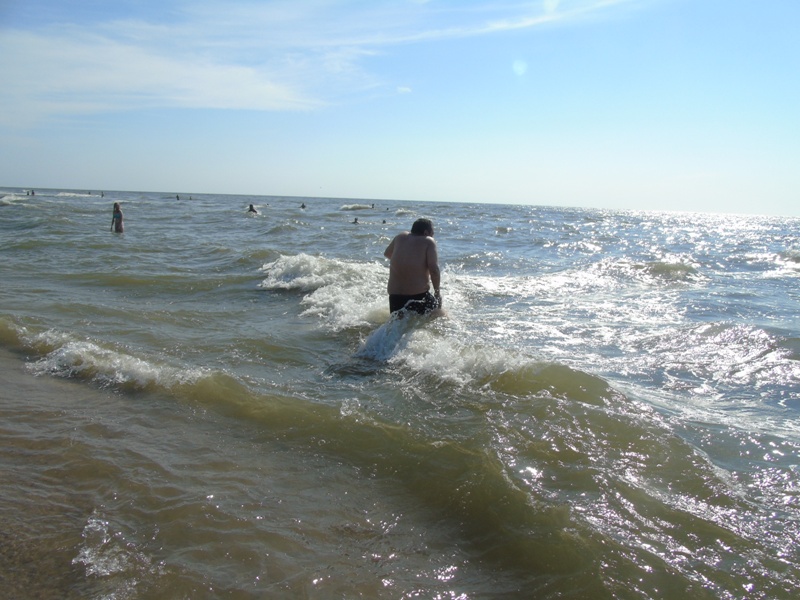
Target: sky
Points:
x,y
676,105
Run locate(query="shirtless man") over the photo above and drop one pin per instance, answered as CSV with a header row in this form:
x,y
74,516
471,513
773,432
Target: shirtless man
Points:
x,y
414,265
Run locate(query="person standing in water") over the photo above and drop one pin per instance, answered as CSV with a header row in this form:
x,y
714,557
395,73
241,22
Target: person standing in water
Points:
x,y
116,219
413,268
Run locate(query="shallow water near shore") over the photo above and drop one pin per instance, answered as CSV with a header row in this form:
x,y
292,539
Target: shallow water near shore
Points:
x,y
217,405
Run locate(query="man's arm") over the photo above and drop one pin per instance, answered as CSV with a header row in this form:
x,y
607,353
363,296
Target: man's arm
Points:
x,y
389,249
433,266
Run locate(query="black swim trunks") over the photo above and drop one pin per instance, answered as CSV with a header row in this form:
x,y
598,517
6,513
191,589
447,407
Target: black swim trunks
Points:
x,y
420,303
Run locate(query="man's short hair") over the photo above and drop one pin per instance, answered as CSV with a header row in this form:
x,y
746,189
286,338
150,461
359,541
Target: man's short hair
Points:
x,y
420,226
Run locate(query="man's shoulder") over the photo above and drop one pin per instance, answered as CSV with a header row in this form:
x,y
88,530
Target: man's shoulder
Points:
x,y
421,240
429,241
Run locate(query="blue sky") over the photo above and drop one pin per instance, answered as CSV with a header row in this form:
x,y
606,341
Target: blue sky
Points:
x,y
641,104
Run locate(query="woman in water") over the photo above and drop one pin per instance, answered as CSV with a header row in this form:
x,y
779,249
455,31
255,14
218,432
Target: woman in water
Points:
x,y
116,219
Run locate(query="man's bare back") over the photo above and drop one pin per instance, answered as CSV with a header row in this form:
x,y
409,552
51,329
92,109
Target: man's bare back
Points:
x,y
414,262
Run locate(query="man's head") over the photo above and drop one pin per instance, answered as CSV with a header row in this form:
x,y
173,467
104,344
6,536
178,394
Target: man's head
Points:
x,y
422,227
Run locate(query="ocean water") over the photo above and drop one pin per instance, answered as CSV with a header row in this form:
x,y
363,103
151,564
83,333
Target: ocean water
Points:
x,y
217,405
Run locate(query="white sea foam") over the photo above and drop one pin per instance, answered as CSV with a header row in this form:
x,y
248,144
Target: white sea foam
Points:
x,y
452,359
11,199
343,294
792,254
70,357
788,264
306,273
106,555
75,195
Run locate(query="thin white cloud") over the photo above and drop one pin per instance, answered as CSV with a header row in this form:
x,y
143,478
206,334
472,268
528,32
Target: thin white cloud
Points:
x,y
284,55
74,75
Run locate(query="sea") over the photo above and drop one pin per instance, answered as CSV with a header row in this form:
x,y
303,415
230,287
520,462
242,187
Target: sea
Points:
x,y
217,403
